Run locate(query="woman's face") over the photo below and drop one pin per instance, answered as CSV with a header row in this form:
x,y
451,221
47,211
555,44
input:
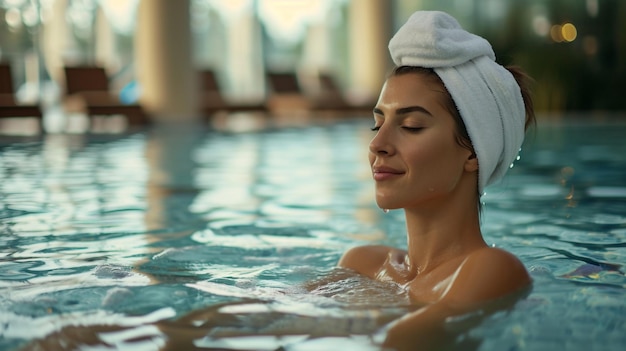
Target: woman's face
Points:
x,y
414,155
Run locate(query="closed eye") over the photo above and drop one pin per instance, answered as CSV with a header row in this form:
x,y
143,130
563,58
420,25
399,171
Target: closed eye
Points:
x,y
413,129
375,128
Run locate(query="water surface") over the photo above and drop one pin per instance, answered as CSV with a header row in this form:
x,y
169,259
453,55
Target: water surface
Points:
x,y
128,231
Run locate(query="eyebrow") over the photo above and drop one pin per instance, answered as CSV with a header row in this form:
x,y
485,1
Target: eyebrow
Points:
x,y
405,110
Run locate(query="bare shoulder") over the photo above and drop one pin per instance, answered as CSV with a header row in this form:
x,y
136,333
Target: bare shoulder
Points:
x,y
366,260
487,274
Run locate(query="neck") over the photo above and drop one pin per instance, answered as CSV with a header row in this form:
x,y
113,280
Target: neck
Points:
x,y
441,230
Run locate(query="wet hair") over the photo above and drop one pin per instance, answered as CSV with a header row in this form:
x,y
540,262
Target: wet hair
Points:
x,y
462,137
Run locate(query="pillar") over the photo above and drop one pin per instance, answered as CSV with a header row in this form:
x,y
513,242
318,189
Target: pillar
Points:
x,y
164,62
56,41
369,31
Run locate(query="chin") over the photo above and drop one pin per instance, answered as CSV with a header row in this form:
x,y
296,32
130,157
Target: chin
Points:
x,y
387,205
390,200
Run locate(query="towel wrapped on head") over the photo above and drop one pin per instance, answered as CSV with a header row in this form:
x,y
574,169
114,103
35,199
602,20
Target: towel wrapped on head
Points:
x,y
486,94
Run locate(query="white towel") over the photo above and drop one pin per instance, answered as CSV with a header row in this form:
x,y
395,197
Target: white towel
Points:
x,y
485,93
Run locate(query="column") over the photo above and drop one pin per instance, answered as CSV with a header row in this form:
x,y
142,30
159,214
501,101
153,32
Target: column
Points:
x,y
164,62
369,33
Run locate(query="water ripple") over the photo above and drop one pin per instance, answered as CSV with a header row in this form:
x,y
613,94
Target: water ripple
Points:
x,y
142,230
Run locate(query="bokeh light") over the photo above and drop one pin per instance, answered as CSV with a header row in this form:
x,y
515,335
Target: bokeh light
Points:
x,y
568,32
563,33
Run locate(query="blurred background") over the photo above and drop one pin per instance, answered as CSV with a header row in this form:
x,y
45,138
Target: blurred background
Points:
x,y
574,49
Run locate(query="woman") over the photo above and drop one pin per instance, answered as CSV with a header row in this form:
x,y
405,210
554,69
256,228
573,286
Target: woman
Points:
x,y
449,121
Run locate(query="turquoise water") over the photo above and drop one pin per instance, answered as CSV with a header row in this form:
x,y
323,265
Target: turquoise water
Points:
x,y
112,235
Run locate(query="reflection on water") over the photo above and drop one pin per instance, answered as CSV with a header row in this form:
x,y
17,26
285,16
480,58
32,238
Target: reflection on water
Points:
x,y
187,236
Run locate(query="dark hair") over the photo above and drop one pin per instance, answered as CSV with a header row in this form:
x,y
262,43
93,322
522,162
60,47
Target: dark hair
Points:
x,y
462,137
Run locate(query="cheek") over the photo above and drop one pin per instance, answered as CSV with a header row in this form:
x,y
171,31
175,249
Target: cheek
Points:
x,y
435,159
426,152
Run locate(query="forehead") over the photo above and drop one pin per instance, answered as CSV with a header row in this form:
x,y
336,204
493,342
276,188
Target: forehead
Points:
x,y
413,87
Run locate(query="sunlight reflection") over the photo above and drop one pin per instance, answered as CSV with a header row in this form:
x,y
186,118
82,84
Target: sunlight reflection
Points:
x,y
287,19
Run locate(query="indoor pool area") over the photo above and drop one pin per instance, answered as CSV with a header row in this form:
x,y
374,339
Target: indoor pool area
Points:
x,y
184,237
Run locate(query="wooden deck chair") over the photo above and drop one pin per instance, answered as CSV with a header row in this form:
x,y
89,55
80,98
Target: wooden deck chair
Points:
x,y
87,91
285,93
8,105
212,99
284,83
331,97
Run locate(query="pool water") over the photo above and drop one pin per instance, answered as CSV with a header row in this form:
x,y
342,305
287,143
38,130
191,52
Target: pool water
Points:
x,y
106,241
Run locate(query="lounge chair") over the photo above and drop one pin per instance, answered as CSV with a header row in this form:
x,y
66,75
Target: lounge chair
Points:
x,y
285,93
8,105
212,100
328,96
331,97
87,91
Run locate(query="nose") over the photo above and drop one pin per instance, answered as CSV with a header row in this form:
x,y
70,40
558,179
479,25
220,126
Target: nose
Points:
x,y
380,144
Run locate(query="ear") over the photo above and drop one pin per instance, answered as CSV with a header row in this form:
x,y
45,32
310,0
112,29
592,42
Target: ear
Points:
x,y
471,164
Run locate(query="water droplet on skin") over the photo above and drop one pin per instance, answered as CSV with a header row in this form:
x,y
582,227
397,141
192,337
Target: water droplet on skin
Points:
x,y
385,210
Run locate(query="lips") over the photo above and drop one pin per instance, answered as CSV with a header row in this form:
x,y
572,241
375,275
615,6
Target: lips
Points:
x,y
381,173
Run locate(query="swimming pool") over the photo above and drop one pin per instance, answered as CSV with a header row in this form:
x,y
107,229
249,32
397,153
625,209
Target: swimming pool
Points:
x,y
104,237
